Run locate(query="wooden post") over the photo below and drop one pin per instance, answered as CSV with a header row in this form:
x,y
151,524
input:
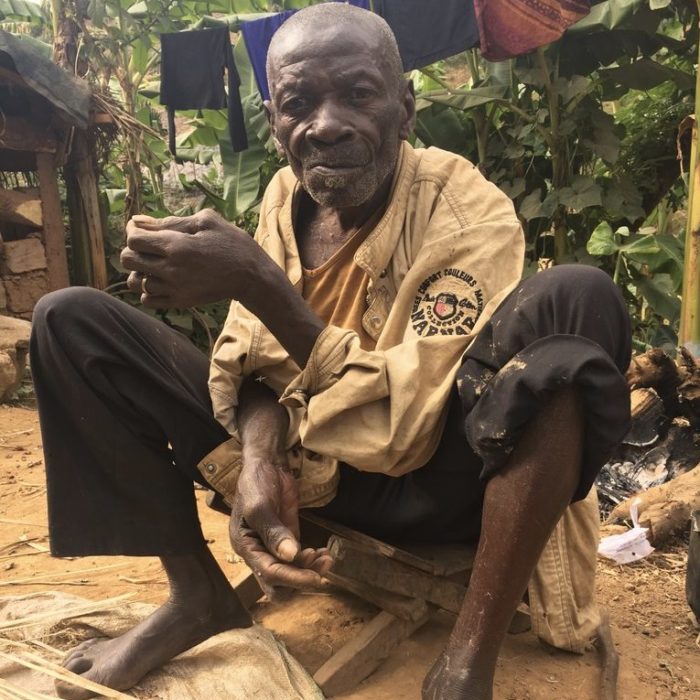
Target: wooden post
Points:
x,y
52,214
689,334
87,234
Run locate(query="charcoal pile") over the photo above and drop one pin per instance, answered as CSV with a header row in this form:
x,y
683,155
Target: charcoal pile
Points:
x,y
660,456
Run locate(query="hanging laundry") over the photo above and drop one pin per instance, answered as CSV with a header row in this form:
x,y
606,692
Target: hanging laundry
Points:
x,y
511,27
191,77
257,35
426,34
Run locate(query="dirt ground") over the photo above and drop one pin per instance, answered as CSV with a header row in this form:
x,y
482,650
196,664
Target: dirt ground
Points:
x,y
659,651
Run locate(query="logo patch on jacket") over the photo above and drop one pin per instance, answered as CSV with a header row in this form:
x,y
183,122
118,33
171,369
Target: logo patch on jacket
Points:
x,y
448,302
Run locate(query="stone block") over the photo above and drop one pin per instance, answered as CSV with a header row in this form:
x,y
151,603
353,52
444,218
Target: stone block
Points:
x,y
23,291
3,297
23,256
14,348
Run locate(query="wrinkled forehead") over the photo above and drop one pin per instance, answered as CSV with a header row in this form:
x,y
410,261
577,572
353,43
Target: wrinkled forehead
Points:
x,y
301,53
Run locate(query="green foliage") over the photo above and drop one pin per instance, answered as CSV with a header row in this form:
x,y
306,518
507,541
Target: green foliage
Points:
x,y
580,134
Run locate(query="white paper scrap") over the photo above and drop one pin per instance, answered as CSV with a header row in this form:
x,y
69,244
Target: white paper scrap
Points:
x,y
629,546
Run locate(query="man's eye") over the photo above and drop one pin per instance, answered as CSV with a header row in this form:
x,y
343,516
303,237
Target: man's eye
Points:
x,y
361,93
294,104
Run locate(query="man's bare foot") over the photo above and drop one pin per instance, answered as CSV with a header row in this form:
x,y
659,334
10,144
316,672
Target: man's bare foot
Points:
x,y
450,679
193,613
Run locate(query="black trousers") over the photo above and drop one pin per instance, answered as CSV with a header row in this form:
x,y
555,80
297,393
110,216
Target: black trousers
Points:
x,y
125,417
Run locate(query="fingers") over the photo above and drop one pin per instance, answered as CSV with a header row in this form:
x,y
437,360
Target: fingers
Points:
x,y
149,242
134,281
278,539
184,224
304,572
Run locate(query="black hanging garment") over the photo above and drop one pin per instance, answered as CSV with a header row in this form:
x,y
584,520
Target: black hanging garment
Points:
x,y
429,31
191,77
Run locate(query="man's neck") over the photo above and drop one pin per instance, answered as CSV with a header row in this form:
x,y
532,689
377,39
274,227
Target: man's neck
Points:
x,y
321,231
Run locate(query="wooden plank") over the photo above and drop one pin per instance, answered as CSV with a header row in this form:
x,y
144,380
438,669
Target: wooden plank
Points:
x,y
247,589
365,652
86,179
54,233
400,605
376,570
20,208
447,559
369,544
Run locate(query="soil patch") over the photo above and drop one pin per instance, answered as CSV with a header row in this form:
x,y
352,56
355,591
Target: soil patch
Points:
x,y
659,650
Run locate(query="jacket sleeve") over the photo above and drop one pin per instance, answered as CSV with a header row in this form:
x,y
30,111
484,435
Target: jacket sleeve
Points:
x,y
384,410
245,347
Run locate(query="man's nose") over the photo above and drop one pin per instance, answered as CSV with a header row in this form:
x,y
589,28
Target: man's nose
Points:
x,y
330,124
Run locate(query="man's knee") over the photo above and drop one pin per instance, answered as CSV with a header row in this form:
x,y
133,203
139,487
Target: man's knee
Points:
x,y
67,304
65,315
577,285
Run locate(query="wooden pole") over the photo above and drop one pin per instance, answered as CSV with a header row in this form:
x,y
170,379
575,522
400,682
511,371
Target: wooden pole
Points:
x,y
690,305
52,214
87,229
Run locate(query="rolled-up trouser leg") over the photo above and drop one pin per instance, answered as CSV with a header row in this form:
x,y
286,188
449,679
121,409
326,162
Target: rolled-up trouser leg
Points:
x,y
125,417
564,326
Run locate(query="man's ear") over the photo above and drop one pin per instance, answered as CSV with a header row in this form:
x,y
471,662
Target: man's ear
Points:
x,y
270,114
408,102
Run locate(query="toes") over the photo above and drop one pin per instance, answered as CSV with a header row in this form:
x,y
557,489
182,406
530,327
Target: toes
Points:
x,y
67,691
79,665
81,649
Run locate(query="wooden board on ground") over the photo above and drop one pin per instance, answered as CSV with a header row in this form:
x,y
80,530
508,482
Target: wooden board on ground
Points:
x,y
359,657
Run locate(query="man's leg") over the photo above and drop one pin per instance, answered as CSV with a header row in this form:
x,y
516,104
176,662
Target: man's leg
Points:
x,y
125,418
543,389
522,504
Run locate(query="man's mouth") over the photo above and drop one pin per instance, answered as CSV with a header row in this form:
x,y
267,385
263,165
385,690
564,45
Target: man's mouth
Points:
x,y
335,168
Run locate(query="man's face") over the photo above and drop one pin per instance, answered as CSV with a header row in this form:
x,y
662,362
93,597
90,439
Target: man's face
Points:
x,y
339,116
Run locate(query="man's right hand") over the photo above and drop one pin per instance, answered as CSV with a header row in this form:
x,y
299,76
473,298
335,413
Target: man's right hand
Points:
x,y
264,528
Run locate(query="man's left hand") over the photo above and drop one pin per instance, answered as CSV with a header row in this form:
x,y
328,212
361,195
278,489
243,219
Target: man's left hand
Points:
x,y
188,261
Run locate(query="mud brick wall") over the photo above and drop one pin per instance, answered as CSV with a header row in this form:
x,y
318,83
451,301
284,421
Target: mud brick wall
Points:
x,y
23,276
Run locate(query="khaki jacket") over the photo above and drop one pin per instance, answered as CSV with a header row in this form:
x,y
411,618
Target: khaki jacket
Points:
x,y
446,252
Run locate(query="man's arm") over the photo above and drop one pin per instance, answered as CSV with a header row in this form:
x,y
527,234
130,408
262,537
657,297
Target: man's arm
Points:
x,y
264,526
202,258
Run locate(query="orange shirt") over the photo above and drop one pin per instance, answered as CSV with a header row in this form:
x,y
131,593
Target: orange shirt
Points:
x,y
337,290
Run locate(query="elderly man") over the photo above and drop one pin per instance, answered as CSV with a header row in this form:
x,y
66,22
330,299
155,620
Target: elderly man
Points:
x,y
381,362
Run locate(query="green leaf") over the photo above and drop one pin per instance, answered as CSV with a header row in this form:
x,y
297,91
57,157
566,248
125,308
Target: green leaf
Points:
x,y
646,74
241,174
180,320
658,291
602,240
604,144
465,99
437,126
515,188
606,15
584,192
22,10
643,245
139,55
672,247
530,206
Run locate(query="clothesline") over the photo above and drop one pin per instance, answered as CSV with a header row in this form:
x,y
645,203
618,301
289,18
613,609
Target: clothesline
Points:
x,y
193,62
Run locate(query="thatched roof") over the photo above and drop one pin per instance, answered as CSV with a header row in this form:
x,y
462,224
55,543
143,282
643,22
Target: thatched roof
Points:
x,y
69,95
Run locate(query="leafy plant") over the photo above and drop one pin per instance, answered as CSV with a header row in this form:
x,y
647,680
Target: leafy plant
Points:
x,y
580,134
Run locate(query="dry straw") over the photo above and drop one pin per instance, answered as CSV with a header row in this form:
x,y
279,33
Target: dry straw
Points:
x,y
74,611
36,663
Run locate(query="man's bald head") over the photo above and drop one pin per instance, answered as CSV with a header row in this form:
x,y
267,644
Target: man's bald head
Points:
x,y
303,28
